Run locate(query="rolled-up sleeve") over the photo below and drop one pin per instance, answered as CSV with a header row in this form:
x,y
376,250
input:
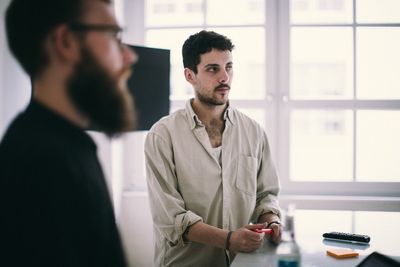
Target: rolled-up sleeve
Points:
x,y
268,185
170,217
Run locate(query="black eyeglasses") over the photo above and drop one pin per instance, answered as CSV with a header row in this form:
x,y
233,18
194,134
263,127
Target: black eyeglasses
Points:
x,y
114,30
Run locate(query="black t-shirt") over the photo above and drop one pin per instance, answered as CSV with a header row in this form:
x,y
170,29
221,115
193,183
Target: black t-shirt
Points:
x,y
55,208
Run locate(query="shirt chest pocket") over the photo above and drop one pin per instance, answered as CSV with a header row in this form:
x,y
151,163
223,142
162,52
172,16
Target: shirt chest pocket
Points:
x,y
246,178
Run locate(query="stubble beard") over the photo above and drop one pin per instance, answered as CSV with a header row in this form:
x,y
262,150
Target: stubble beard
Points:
x,y
211,101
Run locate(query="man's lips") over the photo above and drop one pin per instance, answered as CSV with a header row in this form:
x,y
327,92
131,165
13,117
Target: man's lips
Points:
x,y
222,88
222,91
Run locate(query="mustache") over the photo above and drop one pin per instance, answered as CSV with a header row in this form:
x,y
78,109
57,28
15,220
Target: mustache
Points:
x,y
222,86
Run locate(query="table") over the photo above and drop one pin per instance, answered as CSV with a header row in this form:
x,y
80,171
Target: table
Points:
x,y
386,239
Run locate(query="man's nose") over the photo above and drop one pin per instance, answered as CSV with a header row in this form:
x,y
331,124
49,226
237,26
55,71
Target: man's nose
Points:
x,y
224,77
129,55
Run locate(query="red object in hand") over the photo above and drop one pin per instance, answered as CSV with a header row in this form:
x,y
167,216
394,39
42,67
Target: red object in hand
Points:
x,y
266,231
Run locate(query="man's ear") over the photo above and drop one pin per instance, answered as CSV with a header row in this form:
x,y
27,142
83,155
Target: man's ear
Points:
x,y
65,44
189,75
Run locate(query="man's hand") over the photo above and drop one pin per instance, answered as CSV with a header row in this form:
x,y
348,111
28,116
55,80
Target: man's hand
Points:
x,y
277,228
246,240
277,233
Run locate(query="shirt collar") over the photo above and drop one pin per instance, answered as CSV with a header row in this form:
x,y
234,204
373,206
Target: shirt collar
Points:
x,y
194,119
228,114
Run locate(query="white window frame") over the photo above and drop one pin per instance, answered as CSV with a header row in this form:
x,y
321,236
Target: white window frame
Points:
x,y
277,106
361,189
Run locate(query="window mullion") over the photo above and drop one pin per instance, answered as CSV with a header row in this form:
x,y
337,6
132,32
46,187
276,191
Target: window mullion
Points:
x,y
354,91
283,112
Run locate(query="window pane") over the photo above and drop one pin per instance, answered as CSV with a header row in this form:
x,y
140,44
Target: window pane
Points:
x,y
378,146
219,12
173,12
375,11
378,63
321,145
321,67
248,61
256,114
388,225
321,11
173,39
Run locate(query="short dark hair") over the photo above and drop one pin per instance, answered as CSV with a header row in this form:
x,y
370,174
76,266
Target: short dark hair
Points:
x,y
28,23
201,43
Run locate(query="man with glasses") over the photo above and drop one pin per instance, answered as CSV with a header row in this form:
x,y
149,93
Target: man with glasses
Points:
x,y
209,168
54,203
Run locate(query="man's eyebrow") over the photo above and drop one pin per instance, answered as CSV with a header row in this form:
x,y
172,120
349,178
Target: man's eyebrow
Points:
x,y
217,65
211,65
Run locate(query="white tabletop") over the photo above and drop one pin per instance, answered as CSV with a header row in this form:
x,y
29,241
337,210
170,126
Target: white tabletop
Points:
x,y
310,225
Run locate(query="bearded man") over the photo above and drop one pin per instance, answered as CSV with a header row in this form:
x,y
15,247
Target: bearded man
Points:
x,y
54,202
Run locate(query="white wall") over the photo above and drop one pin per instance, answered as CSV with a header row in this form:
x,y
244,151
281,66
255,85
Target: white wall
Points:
x,y
135,220
2,44
133,21
14,83
136,228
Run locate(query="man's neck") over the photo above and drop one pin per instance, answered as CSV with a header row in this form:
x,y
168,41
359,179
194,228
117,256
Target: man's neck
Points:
x,y
54,96
212,118
208,113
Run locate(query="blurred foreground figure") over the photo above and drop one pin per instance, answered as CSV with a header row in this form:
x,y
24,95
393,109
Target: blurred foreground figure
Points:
x,y
54,203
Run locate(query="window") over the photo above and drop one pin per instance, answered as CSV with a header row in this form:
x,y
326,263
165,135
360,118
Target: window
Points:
x,y
321,76
343,97
170,29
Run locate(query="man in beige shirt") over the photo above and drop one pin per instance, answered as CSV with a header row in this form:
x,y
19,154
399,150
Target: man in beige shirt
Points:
x,y
210,176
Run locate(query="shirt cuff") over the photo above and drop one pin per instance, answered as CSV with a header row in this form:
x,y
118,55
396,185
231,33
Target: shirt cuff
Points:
x,y
182,223
259,211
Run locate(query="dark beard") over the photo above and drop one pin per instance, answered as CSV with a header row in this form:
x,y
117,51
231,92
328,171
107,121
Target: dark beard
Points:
x,y
97,95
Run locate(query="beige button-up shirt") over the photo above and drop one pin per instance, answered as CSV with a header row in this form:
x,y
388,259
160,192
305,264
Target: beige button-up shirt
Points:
x,y
188,183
